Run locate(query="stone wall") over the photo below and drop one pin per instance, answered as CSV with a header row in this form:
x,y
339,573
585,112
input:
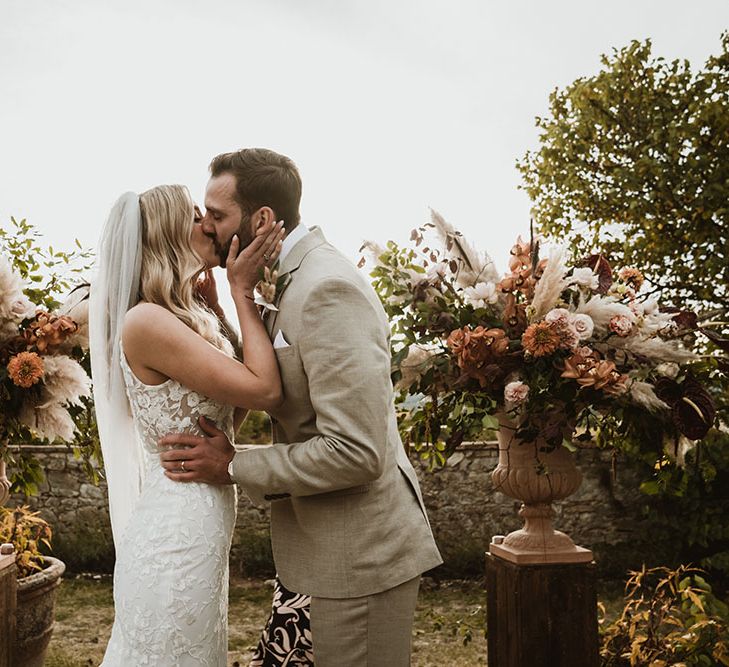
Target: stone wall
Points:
x,y
464,511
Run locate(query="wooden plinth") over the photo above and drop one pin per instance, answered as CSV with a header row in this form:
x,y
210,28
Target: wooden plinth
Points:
x,y
7,609
541,615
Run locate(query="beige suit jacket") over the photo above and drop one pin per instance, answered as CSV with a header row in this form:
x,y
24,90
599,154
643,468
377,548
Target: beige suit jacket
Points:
x,y
347,515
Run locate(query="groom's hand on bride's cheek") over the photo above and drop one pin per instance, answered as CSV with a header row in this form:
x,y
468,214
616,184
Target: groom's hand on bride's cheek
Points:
x,y
191,458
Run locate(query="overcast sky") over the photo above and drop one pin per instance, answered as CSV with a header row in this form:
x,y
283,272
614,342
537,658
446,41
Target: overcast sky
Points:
x,y
387,107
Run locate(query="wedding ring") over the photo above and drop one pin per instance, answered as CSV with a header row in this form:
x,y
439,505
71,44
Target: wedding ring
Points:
x,y
182,466
266,257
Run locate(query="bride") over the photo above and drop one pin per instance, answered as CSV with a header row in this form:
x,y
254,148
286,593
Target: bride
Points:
x,y
160,362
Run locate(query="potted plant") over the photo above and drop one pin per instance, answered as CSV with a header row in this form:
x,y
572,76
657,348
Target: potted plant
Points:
x,y
38,577
46,398
555,352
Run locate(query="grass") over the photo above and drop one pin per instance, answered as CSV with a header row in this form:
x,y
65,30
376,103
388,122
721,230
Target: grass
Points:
x,y
447,612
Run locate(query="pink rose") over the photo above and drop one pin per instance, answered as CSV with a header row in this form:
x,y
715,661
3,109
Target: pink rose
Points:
x,y
558,316
622,325
584,325
516,392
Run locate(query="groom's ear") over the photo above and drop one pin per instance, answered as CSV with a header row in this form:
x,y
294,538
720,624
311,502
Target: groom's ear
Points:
x,y
262,216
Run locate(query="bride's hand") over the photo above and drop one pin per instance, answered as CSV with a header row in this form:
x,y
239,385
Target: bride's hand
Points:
x,y
244,270
207,290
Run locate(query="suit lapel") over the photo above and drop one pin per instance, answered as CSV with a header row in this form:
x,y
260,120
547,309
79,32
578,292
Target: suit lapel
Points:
x,y
289,266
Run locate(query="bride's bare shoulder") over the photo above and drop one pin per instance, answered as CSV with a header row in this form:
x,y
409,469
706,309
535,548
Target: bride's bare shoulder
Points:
x,y
145,320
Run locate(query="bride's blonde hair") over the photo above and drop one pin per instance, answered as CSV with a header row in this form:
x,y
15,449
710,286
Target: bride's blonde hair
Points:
x,y
170,265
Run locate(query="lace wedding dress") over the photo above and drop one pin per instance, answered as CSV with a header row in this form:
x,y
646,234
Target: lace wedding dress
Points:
x,y
171,574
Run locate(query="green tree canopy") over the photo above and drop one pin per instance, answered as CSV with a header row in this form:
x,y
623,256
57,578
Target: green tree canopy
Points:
x,y
634,161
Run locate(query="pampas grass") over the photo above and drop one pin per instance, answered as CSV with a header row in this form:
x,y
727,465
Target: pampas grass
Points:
x,y
550,286
51,423
475,266
655,349
602,309
65,381
642,394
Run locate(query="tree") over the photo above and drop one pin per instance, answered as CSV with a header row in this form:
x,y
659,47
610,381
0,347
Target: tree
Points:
x,y
634,161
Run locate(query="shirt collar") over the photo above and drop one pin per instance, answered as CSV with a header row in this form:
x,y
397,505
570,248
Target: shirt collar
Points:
x,y
292,238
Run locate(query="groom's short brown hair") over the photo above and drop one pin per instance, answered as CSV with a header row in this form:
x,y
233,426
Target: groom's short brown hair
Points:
x,y
263,178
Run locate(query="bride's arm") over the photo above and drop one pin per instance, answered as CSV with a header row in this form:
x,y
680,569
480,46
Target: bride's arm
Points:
x,y
155,339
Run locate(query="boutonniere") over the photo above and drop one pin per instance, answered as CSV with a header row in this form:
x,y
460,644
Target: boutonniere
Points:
x,y
268,289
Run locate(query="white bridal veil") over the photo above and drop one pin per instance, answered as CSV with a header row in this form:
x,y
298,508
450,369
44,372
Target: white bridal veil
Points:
x,y
114,290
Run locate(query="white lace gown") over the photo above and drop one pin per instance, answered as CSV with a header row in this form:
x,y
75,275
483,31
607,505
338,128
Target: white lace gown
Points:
x,y
171,574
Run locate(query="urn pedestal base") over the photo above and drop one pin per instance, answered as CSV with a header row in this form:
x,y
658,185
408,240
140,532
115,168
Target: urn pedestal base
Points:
x,y
538,542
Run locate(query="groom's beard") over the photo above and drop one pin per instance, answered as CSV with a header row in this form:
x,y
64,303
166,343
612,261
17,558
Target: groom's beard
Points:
x,y
222,250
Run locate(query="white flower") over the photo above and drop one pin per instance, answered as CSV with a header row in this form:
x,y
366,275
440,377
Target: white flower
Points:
x,y
516,392
416,364
668,369
13,303
22,307
481,294
584,325
584,277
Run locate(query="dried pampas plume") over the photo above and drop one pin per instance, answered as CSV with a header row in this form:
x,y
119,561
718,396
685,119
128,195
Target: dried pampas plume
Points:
x,y
373,251
65,381
475,267
49,423
602,309
655,349
550,285
642,394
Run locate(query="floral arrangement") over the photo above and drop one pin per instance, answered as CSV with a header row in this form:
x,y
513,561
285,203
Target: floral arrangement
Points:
x,y
567,349
40,374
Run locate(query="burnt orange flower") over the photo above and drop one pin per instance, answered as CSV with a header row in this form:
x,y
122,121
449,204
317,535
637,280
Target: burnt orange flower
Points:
x,y
631,276
540,339
514,314
49,331
476,350
520,255
589,371
25,369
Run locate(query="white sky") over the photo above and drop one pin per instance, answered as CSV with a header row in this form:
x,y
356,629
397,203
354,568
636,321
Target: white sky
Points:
x,y
386,107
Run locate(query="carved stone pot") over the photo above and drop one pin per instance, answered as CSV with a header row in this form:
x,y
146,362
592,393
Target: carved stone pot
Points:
x,y
537,475
35,613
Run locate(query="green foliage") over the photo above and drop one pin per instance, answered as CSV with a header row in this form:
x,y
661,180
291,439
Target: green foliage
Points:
x,y
635,161
671,617
27,532
255,429
51,272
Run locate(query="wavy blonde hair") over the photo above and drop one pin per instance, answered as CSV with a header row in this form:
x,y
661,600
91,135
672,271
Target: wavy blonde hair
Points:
x,y
170,265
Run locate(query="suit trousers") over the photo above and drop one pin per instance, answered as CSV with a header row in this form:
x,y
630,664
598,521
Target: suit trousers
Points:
x,y
370,631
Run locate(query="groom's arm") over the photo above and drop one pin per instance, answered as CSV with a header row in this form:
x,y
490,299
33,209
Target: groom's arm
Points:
x,y
344,348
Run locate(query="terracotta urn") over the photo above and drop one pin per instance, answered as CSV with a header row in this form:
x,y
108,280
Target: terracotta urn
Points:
x,y
35,613
537,475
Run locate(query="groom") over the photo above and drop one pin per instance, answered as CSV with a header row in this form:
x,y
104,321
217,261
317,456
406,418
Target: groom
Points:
x,y
348,525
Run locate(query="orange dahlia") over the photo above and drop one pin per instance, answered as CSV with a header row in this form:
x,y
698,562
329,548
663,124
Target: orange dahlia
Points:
x,y
25,369
541,339
631,276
